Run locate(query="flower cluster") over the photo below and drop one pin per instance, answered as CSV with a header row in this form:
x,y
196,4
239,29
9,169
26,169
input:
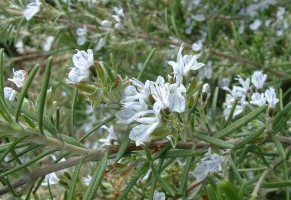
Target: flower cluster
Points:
x,y
144,102
82,61
245,92
18,79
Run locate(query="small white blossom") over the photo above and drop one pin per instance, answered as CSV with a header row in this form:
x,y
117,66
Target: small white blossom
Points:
x,y
19,46
197,46
111,138
198,17
159,196
9,93
258,99
160,91
19,78
256,24
210,163
141,133
224,82
48,43
87,180
99,44
271,97
78,74
51,178
183,65
82,35
31,9
258,79
106,23
119,26
176,99
83,59
118,11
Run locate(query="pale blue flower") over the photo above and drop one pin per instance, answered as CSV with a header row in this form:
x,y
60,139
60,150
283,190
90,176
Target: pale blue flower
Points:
x,y
31,9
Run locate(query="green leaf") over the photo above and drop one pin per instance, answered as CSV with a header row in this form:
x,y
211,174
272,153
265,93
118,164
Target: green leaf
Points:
x,y
241,122
163,183
72,114
214,141
276,184
228,190
147,151
249,138
24,91
75,179
178,153
129,186
96,127
229,118
43,92
141,171
28,163
281,118
109,73
185,175
161,152
3,107
211,192
242,190
96,179
279,146
125,141
214,104
235,171
145,64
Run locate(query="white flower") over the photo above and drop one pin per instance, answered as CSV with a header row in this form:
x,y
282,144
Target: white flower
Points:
x,y
83,59
183,65
106,23
159,196
19,78
198,17
197,46
141,133
160,91
118,11
100,43
19,46
82,33
48,43
258,99
87,180
241,104
51,178
258,79
111,138
119,26
210,163
256,24
31,9
78,74
9,93
271,97
224,82
245,85
176,99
